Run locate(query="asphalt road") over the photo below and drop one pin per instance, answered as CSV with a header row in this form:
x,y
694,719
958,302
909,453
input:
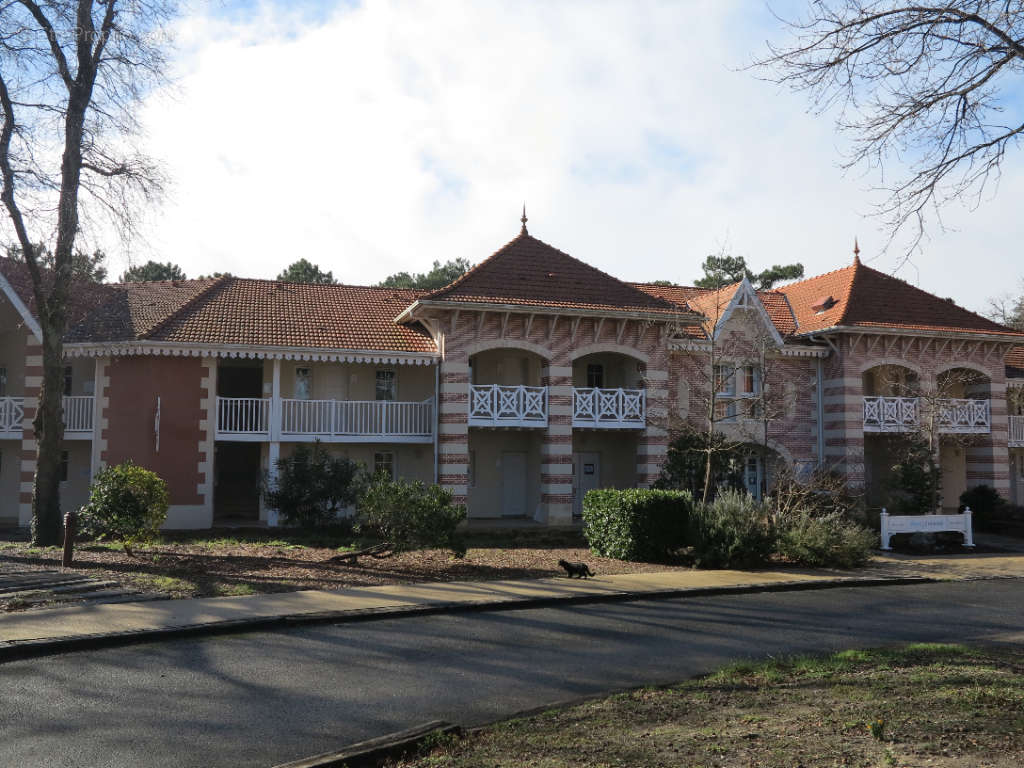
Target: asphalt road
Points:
x,y
264,698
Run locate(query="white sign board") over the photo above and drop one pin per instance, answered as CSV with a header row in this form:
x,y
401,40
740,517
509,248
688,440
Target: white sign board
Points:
x,y
927,524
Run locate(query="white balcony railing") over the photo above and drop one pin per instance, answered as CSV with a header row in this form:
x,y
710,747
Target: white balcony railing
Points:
x,y
609,408
253,419
12,414
900,414
494,405
78,413
357,418
1016,432
243,416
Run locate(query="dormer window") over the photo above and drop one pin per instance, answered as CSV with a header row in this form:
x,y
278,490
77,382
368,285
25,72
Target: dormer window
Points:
x,y
824,304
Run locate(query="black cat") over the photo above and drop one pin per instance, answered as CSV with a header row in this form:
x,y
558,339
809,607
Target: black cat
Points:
x,y
575,569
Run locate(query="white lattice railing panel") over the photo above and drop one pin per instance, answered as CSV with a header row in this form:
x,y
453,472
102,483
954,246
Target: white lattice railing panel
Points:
x,y
900,414
516,406
12,414
609,408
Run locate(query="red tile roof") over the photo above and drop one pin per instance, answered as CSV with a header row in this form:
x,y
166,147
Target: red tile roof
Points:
x,y
1015,363
278,314
85,295
528,272
700,300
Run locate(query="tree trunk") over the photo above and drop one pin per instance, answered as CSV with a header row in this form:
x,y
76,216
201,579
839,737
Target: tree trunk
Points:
x,y
49,430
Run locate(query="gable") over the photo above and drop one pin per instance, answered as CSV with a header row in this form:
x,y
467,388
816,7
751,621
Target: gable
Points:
x,y
528,272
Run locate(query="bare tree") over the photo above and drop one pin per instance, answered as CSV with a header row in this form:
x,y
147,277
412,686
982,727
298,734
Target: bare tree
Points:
x,y
72,73
916,83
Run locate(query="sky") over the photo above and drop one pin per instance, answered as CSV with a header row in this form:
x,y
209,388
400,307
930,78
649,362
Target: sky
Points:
x,y
373,137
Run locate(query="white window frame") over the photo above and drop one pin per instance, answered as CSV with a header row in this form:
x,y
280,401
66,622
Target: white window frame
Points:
x,y
382,374
307,377
730,379
378,463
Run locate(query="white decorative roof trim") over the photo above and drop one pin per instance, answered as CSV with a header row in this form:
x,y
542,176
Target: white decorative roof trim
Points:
x,y
690,345
120,349
19,305
747,298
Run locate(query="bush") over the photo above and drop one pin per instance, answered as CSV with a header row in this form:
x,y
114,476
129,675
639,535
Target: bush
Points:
x,y
412,515
731,531
639,525
312,486
126,503
916,477
685,464
828,540
986,505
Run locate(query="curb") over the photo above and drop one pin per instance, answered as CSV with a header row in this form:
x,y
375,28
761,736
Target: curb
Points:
x,y
372,751
25,649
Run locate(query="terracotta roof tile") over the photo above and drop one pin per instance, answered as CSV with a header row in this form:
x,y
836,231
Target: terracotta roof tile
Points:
x,y
529,272
85,295
271,313
1015,363
698,300
133,310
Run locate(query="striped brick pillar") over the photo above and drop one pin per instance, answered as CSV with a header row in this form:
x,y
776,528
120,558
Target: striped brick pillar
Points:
x,y
988,456
31,387
208,431
652,443
844,422
453,428
556,444
101,409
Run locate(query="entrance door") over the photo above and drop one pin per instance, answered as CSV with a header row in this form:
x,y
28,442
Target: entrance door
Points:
x,y
236,482
513,484
587,468
753,475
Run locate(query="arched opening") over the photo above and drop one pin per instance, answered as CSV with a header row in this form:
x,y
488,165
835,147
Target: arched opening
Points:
x,y
962,424
760,468
507,418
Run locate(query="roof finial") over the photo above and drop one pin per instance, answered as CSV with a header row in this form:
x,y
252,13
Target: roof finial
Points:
x,y
856,251
523,230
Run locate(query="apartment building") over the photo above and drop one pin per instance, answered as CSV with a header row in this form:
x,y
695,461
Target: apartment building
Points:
x,y
520,386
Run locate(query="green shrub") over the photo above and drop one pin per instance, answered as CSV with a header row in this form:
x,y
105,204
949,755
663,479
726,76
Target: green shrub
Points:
x,y
685,464
412,515
828,540
916,476
732,531
126,503
986,505
312,486
639,525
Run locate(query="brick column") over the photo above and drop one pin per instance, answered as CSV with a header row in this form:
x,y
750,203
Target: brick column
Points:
x,y
556,445
988,456
453,428
31,387
652,444
844,422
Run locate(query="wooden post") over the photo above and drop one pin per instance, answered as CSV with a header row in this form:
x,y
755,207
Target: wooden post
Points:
x,y
70,526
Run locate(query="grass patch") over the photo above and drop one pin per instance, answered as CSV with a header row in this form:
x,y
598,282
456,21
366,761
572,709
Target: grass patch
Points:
x,y
168,585
943,705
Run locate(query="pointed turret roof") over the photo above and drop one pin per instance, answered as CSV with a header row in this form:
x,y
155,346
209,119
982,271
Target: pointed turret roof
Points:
x,y
528,272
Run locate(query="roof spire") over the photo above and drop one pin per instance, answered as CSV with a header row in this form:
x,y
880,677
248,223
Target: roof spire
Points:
x,y
856,251
523,230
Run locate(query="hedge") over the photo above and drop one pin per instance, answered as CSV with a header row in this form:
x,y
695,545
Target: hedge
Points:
x,y
634,524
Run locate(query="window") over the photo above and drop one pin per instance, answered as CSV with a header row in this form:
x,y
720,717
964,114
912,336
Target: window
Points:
x,y
734,384
595,375
67,380
386,388
63,466
384,462
303,383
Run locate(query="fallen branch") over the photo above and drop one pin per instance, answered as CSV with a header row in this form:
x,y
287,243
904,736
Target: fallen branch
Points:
x,y
378,551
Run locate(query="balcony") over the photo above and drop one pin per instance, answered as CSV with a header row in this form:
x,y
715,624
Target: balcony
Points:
x,y
494,405
77,417
250,419
594,408
902,414
1016,432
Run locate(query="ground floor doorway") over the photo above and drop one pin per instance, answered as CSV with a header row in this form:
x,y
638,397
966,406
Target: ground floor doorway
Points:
x,y
586,477
236,482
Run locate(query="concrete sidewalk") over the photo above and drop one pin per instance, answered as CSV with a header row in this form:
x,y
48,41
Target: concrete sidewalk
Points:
x,y
39,632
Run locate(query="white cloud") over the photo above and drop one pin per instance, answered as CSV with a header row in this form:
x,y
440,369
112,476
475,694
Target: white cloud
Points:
x,y
385,136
